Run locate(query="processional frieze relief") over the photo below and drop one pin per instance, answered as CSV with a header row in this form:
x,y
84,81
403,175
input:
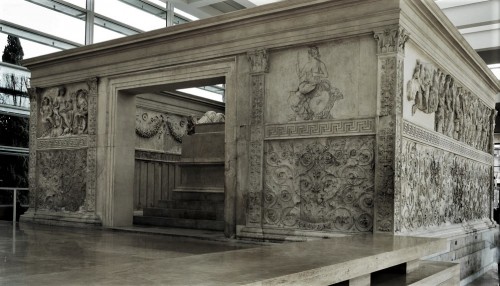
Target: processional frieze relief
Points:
x,y
458,113
362,126
319,184
439,187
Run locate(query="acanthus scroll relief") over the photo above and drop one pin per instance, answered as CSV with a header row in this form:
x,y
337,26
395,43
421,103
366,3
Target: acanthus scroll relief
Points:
x,y
63,113
315,95
320,184
62,180
439,187
459,114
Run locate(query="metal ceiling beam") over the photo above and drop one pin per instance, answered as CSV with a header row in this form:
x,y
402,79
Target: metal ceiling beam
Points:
x,y
202,3
184,6
147,7
63,7
80,13
154,9
491,57
36,36
115,26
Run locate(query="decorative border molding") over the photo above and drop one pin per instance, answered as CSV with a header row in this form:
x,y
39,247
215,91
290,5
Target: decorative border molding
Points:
x,y
438,140
63,143
34,94
156,156
90,200
365,126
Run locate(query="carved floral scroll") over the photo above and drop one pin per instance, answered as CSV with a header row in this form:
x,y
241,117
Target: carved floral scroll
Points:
x,y
320,184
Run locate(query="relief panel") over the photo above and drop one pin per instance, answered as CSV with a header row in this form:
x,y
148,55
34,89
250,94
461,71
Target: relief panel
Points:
x,y
61,176
63,111
454,110
320,184
439,187
157,131
319,82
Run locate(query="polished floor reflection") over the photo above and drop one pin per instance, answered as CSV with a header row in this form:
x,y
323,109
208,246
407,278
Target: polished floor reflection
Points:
x,y
46,255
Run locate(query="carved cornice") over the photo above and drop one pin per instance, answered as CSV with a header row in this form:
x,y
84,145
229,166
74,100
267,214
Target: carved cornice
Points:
x,y
156,156
259,61
364,126
391,40
443,142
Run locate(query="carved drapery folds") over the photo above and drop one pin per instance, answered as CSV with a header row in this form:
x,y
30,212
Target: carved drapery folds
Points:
x,y
320,184
439,187
259,65
390,52
63,112
315,95
459,114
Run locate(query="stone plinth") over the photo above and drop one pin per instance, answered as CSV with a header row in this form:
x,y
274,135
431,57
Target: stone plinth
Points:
x,y
202,160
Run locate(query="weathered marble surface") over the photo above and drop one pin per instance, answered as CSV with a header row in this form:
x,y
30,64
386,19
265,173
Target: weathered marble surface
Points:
x,y
320,184
161,132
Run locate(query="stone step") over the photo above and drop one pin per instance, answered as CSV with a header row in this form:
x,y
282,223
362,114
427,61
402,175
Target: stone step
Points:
x,y
185,213
180,222
427,273
198,196
192,205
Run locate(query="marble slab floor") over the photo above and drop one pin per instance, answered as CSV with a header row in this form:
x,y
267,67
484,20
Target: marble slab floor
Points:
x,y
50,255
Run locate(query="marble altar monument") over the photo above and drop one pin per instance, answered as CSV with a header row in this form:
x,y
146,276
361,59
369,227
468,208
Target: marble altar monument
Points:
x,y
342,117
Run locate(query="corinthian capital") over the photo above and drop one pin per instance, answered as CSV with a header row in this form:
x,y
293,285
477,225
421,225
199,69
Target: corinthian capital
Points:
x,y
259,61
391,40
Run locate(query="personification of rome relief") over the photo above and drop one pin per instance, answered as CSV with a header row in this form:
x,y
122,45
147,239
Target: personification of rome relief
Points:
x,y
315,95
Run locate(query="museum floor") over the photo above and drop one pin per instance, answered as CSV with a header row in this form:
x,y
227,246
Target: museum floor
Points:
x,y
46,255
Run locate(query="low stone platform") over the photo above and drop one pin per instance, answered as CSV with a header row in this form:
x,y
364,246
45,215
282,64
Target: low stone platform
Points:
x,y
319,262
112,258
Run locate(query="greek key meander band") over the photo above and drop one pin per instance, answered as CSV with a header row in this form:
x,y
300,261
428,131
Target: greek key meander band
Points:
x,y
63,143
364,126
432,138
